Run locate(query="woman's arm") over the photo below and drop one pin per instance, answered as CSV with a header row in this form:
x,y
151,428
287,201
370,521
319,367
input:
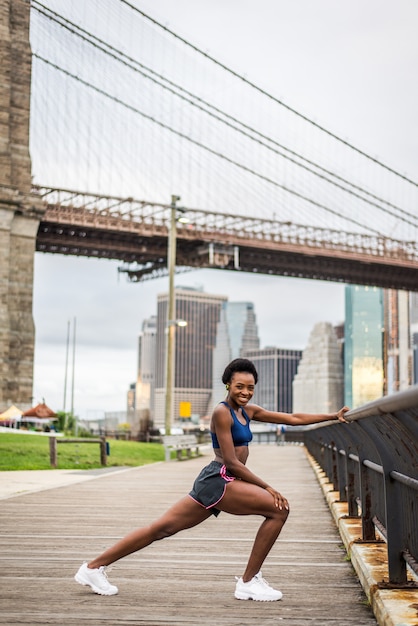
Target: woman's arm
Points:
x,y
259,414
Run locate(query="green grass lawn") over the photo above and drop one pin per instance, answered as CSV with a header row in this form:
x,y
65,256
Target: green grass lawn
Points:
x,y
31,452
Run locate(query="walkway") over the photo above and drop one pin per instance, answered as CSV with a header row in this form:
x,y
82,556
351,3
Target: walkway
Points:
x,y
187,579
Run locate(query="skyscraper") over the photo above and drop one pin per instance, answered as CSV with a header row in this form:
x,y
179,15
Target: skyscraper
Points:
x,y
194,346
144,395
397,345
413,313
276,369
318,384
236,332
363,349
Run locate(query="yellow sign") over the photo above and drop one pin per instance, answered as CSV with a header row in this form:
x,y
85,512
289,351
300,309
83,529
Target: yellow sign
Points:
x,y
185,409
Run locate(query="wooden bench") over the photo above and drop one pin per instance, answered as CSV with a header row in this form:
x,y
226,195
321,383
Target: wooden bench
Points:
x,y
180,443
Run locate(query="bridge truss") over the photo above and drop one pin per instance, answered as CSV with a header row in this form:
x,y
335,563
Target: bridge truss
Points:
x,y
136,233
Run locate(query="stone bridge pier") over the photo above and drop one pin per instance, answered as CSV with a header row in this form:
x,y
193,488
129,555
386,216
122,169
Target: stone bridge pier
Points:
x,y
20,211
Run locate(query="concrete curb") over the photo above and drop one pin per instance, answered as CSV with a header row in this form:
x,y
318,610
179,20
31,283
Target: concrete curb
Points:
x,y
391,607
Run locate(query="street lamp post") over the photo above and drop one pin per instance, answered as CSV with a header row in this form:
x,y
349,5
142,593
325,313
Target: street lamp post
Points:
x,y
171,316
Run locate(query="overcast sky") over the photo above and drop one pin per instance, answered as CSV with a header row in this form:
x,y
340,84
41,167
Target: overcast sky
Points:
x,y
351,67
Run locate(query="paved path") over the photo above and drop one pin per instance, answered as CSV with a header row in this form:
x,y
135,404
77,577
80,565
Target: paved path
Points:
x,y
184,580
21,482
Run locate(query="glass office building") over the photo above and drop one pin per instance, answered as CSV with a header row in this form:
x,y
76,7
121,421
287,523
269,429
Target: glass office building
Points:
x,y
363,350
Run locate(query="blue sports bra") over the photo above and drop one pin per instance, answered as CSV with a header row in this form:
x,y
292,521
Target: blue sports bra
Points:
x,y
241,433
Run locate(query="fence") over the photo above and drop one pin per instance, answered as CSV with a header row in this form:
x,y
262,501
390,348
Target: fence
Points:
x,y
53,454
373,463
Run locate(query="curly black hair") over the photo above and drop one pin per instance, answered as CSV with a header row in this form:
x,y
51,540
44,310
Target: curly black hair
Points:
x,y
239,365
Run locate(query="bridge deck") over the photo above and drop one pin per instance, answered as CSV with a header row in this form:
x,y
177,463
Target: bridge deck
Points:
x,y
136,232
187,579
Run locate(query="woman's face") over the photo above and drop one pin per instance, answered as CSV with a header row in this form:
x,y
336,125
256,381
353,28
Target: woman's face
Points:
x,y
241,388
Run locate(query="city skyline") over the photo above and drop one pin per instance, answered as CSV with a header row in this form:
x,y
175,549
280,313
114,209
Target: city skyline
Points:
x,y
356,359
283,327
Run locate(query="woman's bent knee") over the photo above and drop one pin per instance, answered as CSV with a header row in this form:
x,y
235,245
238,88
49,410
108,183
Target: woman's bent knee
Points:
x,y
281,515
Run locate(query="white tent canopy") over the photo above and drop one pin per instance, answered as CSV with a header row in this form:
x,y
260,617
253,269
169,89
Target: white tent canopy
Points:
x,y
12,413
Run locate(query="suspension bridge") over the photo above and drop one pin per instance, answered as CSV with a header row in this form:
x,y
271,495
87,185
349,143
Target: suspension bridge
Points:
x,y
139,112
106,112
136,233
109,112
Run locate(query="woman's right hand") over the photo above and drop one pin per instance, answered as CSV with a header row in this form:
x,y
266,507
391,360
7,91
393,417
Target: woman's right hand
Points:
x,y
279,501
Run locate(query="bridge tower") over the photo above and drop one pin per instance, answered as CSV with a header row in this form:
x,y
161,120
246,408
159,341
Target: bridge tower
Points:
x,y
20,211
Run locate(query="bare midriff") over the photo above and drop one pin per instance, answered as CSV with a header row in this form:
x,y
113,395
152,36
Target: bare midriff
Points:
x,y
241,452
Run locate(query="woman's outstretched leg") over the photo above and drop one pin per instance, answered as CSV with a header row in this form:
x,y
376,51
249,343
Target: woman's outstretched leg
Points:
x,y
184,514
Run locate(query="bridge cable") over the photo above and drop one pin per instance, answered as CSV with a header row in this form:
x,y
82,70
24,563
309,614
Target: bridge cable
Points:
x,y
206,148
268,95
223,113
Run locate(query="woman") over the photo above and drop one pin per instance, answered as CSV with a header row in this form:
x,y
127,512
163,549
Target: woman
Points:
x,y
226,484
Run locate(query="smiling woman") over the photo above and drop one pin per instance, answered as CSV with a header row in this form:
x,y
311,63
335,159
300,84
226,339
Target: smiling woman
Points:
x,y
226,484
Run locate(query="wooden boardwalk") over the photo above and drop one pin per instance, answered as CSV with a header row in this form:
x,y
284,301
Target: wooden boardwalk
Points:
x,y
184,580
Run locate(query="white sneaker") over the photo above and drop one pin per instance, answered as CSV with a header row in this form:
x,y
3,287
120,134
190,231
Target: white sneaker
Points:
x,y
96,579
256,589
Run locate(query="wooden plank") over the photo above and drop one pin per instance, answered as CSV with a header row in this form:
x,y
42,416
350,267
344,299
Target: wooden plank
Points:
x,y
187,579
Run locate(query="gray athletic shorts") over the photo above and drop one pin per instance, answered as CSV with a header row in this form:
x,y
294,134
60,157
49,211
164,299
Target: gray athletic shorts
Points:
x,y
209,487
